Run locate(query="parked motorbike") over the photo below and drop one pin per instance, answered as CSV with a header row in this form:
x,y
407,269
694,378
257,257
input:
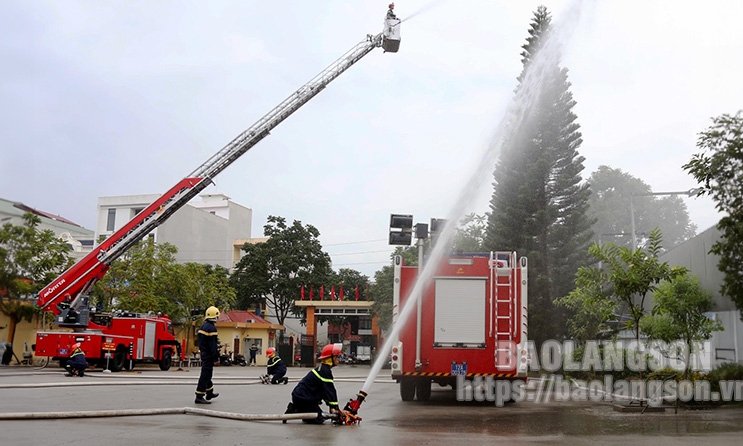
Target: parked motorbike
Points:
x,y
225,359
240,360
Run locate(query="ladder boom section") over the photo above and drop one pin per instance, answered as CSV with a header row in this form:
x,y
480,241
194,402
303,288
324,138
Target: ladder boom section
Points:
x,y
247,139
80,277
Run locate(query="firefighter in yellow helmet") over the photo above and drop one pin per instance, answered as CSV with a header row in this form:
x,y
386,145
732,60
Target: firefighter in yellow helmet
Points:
x,y
207,338
318,386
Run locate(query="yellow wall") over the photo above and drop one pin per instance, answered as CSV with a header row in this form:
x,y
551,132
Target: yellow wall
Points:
x,y
227,336
25,335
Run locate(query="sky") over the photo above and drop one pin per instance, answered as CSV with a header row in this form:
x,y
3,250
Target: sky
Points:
x,y
128,97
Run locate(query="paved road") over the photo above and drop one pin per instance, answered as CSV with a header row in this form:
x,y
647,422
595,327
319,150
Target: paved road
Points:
x,y
387,420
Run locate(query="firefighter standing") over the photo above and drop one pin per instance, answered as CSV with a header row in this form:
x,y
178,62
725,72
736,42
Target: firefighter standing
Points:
x,y
391,11
253,352
76,364
207,336
317,386
275,367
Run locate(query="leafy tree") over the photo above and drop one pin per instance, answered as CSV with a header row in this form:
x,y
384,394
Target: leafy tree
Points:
x,y
348,280
609,205
197,287
29,259
539,205
380,291
624,277
470,235
591,311
141,280
273,272
148,278
678,314
719,170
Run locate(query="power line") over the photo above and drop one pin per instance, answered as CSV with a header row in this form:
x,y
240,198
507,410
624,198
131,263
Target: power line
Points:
x,y
357,243
387,262
360,252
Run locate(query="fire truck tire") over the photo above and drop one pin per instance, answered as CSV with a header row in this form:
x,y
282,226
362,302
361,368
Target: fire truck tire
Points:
x,y
423,389
118,360
166,360
407,389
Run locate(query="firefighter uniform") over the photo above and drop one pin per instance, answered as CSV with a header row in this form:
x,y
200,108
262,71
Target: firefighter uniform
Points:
x,y
207,337
76,364
277,369
317,386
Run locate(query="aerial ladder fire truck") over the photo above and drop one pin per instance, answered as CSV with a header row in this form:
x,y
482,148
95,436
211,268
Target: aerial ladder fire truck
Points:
x,y
472,322
117,341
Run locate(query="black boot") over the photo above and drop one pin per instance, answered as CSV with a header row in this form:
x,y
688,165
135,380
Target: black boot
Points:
x,y
289,409
286,380
201,400
210,395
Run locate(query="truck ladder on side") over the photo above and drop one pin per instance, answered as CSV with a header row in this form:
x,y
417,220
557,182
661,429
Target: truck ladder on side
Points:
x,y
503,311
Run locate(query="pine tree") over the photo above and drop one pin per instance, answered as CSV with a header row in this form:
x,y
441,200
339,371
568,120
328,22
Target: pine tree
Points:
x,y
539,205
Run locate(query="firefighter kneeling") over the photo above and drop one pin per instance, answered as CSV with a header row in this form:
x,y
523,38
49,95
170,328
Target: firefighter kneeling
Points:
x,y
76,364
317,386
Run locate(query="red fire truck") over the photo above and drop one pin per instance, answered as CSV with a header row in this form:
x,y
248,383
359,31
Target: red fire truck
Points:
x,y
470,320
117,341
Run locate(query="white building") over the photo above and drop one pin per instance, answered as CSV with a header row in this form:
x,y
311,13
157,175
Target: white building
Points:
x,y
726,345
79,239
210,231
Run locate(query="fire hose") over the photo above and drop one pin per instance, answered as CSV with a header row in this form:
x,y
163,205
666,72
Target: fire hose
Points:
x,y
162,411
349,415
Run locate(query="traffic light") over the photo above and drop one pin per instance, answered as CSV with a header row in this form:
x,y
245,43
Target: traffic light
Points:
x,y
421,230
437,226
400,238
401,228
400,221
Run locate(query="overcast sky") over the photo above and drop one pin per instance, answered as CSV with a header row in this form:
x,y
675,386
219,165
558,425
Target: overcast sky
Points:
x,y
104,98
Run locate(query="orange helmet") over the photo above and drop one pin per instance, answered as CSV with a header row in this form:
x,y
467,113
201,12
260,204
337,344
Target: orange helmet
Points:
x,y
270,351
75,346
331,350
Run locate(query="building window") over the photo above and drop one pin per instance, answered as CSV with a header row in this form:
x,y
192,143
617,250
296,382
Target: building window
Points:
x,y
365,323
111,222
136,211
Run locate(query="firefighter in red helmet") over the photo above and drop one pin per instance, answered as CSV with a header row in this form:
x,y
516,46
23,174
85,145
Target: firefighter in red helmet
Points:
x,y
391,12
318,386
76,363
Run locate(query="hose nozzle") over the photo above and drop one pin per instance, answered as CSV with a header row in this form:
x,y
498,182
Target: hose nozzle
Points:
x,y
353,405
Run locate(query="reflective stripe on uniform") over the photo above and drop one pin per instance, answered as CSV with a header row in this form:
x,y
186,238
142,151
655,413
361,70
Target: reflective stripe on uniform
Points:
x,y
207,333
325,380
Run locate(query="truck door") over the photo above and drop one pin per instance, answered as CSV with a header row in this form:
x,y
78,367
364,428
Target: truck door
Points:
x,y
460,309
149,339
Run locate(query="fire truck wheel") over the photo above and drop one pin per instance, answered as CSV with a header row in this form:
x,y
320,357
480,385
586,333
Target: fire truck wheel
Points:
x,y
118,359
407,389
423,389
166,360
